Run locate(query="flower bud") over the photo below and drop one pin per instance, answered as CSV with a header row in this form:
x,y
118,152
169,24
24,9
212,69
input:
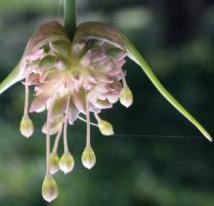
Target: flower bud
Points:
x,y
26,127
126,97
54,163
88,158
105,127
49,188
66,163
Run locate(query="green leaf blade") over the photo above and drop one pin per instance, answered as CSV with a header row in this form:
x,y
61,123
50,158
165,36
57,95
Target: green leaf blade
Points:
x,y
11,79
137,57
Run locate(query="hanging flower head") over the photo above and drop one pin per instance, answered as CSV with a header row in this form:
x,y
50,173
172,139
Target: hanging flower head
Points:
x,y
72,80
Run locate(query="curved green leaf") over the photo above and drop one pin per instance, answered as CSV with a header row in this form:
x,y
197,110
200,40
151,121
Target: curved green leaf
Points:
x,y
11,79
137,57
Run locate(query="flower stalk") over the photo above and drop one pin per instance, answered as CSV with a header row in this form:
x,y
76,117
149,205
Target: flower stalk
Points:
x,y
66,162
57,139
26,124
70,17
88,127
48,144
26,104
65,129
88,156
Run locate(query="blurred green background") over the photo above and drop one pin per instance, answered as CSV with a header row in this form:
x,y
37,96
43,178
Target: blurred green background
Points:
x,y
156,157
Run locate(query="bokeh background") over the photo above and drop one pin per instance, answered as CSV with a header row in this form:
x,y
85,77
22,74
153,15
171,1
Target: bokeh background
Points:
x,y
156,157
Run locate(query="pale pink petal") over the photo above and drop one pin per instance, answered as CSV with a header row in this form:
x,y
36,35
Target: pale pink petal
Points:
x,y
79,100
73,113
37,55
86,60
100,104
101,77
113,98
55,126
38,104
59,106
98,58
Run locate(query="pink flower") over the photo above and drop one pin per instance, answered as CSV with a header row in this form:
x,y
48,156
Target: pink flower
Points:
x,y
71,80
76,79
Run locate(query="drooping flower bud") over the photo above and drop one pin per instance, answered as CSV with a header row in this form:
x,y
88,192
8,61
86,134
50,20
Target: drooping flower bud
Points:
x,y
26,126
88,157
66,163
126,96
54,163
49,188
105,127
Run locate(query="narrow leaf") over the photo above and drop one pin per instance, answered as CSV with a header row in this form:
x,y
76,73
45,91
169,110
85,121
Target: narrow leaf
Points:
x,y
14,77
137,57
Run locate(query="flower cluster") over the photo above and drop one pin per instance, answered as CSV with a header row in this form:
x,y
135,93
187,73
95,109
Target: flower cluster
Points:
x,y
73,80
70,80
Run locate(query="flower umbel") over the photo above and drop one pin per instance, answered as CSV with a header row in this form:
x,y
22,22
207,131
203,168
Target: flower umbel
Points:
x,y
75,79
69,79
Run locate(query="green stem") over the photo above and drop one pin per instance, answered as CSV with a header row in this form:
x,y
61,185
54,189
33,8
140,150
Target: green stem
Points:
x,y
70,17
11,79
136,56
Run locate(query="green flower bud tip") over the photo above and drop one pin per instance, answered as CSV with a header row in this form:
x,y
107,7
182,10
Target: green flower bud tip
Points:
x,y
126,97
54,163
49,189
26,127
105,127
66,163
88,158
